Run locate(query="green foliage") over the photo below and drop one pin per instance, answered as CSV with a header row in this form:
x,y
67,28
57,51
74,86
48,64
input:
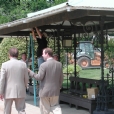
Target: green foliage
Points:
x,y
17,9
11,10
20,43
7,43
51,45
70,68
109,53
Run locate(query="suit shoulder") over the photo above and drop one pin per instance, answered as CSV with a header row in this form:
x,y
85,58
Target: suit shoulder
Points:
x,y
43,64
6,62
59,62
21,62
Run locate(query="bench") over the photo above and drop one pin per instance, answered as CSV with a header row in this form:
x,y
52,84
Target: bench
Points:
x,y
78,88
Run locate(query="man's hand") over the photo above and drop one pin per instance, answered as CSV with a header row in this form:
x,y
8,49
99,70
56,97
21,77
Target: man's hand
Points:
x,y
1,97
38,32
29,70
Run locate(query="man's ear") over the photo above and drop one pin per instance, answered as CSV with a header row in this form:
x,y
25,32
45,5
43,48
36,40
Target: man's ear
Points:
x,y
9,55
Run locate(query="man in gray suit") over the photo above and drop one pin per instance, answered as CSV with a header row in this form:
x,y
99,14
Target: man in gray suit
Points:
x,y
51,77
13,83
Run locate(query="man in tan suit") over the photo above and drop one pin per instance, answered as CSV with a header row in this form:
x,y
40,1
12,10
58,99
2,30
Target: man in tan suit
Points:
x,y
51,78
13,83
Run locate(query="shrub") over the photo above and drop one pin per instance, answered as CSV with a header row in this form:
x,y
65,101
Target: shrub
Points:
x,y
70,69
7,43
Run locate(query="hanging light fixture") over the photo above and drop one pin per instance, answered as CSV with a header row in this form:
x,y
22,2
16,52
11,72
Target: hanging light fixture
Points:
x,y
67,41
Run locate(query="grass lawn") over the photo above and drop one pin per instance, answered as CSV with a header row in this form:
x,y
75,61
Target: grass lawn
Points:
x,y
93,73
88,73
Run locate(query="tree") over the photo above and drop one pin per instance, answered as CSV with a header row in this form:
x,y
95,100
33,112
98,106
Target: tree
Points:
x,y
7,43
109,53
11,10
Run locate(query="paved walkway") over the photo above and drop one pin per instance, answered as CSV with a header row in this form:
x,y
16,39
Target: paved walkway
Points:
x,y
31,109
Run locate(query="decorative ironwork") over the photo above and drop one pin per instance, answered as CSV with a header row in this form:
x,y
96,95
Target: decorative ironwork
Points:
x,y
88,27
98,35
105,96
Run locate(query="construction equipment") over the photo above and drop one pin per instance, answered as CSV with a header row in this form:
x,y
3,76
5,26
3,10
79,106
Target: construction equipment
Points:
x,y
88,56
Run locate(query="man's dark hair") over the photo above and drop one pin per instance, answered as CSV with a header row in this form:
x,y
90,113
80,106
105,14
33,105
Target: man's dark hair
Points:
x,y
55,55
49,51
13,52
24,53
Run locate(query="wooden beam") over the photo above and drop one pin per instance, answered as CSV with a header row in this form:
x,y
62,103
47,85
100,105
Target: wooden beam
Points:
x,y
73,29
92,18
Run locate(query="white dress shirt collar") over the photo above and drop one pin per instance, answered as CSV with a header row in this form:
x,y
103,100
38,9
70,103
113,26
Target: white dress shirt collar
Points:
x,y
12,58
49,58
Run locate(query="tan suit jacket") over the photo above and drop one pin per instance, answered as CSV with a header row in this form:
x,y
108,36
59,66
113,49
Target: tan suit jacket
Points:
x,y
51,76
13,79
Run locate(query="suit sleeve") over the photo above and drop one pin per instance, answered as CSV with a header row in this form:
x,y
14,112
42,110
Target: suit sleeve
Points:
x,y
26,76
61,77
40,74
2,80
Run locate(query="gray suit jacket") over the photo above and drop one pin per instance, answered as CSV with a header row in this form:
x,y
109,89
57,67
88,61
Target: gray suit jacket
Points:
x,y
13,79
51,76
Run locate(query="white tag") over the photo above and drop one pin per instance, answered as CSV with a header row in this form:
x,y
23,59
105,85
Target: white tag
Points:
x,y
93,96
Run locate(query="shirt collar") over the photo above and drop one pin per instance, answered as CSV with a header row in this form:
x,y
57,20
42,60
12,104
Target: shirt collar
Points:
x,y
49,58
13,58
